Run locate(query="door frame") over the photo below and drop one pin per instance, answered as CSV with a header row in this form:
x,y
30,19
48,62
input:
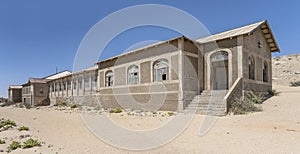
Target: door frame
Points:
x,y
214,76
209,70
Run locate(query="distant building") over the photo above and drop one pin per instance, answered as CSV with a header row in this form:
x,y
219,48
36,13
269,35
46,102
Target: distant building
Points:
x,y
15,93
36,91
3,100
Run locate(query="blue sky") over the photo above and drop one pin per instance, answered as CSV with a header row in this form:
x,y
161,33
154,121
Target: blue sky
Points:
x,y
38,36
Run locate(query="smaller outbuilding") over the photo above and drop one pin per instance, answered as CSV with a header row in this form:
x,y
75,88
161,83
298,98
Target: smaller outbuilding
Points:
x,y
35,92
15,93
3,100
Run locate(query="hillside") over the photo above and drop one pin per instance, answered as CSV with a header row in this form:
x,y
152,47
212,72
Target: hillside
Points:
x,y
286,69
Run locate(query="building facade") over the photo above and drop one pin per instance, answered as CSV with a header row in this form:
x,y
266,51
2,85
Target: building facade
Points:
x,y
80,85
35,92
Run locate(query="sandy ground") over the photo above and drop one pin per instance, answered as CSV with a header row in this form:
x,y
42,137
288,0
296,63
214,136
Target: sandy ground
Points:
x,y
275,130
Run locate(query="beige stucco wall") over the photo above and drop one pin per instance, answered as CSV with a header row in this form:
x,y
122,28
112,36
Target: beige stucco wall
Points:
x,y
261,54
146,88
228,45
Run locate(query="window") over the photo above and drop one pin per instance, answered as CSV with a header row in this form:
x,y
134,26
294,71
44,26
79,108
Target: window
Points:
x,y
109,79
64,85
133,74
87,82
160,70
94,80
57,87
251,68
60,86
219,56
265,72
74,83
52,87
80,82
69,84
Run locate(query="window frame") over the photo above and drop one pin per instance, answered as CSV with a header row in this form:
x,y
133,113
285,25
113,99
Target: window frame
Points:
x,y
265,72
251,67
156,71
134,79
109,83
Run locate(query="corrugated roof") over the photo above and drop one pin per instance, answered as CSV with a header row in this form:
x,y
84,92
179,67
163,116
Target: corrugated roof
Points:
x,y
58,75
231,33
248,29
142,48
78,72
37,80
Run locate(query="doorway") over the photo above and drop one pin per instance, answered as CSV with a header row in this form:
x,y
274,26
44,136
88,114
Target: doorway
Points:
x,y
219,71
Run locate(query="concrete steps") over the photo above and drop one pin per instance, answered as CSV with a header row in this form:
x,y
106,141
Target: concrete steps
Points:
x,y
208,103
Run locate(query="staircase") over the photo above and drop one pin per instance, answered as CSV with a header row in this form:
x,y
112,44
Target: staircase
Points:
x,y
209,102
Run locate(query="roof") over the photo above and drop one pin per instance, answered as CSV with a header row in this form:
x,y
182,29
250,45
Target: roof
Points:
x,y
78,72
142,48
58,75
37,80
86,70
15,87
248,29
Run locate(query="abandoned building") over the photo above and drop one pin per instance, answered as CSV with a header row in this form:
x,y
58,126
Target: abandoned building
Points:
x,y
36,91
185,73
3,100
77,84
228,65
15,93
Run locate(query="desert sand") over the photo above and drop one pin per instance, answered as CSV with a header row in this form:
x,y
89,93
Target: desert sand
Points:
x,y
274,130
286,69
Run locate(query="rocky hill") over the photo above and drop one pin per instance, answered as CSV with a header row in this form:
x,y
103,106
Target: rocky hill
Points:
x,y
286,69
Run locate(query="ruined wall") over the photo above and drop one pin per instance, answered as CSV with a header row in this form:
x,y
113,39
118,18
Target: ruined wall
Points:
x,y
257,46
15,95
40,94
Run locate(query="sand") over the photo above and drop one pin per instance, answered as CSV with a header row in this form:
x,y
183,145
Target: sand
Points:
x,y
274,130
286,69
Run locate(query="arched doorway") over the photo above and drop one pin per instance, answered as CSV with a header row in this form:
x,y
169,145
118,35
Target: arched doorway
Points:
x,y
219,70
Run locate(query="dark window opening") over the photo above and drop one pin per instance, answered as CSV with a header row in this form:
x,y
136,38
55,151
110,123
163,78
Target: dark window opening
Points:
x,y
164,77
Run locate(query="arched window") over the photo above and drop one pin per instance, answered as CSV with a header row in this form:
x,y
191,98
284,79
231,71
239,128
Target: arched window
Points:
x,y
251,68
133,74
219,56
160,70
265,72
109,78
